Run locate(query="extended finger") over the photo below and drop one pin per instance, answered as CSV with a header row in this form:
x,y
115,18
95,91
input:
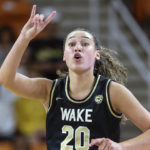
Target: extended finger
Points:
x,y
108,147
50,17
104,145
96,142
33,11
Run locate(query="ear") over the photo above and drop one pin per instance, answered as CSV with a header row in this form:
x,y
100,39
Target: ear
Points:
x,y
97,55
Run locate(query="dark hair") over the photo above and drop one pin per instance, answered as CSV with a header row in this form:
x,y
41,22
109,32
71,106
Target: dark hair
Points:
x,y
108,65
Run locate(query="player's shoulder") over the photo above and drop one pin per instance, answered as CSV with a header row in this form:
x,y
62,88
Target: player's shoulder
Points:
x,y
118,91
58,83
116,87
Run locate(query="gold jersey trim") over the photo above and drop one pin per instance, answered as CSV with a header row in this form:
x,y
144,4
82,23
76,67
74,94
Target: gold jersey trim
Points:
x,y
108,102
84,100
52,94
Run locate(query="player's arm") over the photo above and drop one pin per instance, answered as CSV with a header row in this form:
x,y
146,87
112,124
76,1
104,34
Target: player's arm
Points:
x,y
35,88
125,102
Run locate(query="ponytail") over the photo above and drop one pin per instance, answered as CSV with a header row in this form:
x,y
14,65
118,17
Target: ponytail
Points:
x,y
110,67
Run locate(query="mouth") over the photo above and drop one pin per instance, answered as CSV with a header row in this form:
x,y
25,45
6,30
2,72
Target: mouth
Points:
x,y
77,56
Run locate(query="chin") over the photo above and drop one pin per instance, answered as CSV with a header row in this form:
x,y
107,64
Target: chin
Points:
x,y
80,70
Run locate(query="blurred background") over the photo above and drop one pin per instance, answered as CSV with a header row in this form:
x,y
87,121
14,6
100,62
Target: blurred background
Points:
x,y
122,25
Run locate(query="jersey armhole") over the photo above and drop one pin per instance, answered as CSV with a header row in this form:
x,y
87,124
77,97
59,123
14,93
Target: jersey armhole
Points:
x,y
112,111
52,93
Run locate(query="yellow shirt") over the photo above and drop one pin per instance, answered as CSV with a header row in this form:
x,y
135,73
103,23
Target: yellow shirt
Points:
x,y
30,116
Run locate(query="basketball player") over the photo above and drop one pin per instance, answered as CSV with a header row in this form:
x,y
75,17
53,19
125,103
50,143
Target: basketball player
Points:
x,y
84,108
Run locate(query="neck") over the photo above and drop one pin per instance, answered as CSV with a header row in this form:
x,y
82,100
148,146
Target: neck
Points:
x,y
80,84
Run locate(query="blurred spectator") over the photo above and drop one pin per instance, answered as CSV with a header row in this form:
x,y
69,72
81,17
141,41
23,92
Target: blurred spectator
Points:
x,y
47,51
142,10
7,38
7,118
142,14
7,98
31,118
14,13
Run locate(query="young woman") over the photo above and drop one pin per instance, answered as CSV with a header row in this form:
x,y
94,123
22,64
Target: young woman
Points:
x,y
84,109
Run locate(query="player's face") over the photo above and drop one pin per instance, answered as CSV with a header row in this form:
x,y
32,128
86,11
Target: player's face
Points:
x,y
80,52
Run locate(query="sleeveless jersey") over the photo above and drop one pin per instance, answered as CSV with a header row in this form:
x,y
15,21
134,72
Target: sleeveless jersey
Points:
x,y
71,123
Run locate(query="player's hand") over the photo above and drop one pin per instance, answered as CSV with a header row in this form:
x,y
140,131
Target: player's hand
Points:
x,y
35,24
105,144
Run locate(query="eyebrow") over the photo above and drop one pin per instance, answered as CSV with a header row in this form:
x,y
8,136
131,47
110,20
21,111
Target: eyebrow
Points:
x,y
81,36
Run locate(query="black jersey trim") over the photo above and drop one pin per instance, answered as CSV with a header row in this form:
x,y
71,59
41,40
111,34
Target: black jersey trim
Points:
x,y
85,99
52,94
115,114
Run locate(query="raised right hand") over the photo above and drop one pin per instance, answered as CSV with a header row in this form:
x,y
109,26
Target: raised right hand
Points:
x,y
35,24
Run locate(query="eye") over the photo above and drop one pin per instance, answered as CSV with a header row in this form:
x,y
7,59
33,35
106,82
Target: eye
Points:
x,y
71,44
85,44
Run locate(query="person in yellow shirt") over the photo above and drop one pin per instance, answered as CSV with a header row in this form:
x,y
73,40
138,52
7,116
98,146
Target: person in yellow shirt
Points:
x,y
30,116
30,120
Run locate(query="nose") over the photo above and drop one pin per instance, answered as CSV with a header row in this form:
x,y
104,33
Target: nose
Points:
x,y
78,48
